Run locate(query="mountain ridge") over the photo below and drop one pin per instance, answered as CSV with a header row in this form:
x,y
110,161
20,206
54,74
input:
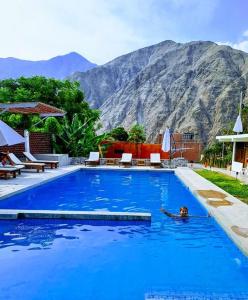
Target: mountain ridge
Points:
x,y
191,86
58,67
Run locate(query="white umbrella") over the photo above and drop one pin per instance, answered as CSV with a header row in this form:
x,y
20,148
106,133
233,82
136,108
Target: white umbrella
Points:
x,y
238,127
166,141
9,136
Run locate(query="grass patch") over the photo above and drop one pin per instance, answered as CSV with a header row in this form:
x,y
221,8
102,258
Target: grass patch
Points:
x,y
227,183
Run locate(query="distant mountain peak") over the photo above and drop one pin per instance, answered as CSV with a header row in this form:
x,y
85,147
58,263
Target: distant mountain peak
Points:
x,y
73,53
59,67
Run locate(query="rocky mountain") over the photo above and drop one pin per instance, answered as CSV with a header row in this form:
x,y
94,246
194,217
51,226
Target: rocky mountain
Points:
x,y
191,87
58,67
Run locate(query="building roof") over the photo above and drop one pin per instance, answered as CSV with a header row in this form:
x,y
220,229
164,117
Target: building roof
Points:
x,y
42,109
233,138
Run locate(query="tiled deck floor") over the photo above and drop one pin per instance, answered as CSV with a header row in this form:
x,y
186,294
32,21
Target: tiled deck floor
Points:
x,y
31,178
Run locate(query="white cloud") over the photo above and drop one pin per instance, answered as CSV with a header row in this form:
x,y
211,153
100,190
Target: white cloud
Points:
x,y
245,33
41,29
243,46
100,30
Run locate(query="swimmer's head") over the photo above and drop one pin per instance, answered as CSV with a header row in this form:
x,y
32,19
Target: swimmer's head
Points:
x,y
184,211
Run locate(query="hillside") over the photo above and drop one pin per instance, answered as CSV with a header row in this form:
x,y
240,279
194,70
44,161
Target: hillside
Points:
x,y
188,87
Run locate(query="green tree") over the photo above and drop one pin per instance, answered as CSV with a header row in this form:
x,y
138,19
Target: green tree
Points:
x,y
63,94
76,137
5,94
52,125
217,155
74,134
19,121
244,117
137,134
22,94
119,134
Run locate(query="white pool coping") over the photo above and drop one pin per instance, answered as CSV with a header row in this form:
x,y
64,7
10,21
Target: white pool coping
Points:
x,y
228,217
235,215
31,179
74,215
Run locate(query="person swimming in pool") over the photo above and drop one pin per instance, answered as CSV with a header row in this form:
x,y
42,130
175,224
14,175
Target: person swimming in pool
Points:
x,y
183,213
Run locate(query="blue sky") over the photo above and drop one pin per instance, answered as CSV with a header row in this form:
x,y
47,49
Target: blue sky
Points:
x,y
101,30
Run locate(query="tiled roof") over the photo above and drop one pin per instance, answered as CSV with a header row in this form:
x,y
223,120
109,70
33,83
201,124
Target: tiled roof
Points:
x,y
42,109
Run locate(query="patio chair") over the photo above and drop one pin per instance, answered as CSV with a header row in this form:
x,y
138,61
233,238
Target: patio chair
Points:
x,y
18,167
16,161
5,172
94,159
155,160
126,159
31,158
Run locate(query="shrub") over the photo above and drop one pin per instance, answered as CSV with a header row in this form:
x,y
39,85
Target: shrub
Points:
x,y
137,134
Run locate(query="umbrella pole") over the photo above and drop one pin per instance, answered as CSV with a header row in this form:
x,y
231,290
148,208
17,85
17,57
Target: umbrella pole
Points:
x,y
27,144
172,140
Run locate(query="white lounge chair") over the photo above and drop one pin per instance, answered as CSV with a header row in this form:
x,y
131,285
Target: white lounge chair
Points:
x,y
16,161
18,167
155,159
7,171
126,159
94,159
31,158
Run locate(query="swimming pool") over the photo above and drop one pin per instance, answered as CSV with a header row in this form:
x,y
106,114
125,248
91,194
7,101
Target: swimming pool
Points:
x,y
62,259
112,190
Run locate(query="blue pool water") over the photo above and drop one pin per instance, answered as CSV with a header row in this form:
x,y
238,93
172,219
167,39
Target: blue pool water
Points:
x,y
63,259
111,190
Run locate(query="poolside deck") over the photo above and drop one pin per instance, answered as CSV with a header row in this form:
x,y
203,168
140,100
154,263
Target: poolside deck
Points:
x,y
230,213
30,179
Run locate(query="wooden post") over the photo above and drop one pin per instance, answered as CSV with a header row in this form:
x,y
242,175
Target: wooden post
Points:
x,y
234,151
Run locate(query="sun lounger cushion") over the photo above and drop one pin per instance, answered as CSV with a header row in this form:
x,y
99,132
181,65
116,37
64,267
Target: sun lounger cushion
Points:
x,y
15,159
4,171
94,156
126,158
8,169
18,167
155,158
31,158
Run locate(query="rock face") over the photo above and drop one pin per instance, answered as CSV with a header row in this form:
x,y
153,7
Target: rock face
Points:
x,y
58,67
192,87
